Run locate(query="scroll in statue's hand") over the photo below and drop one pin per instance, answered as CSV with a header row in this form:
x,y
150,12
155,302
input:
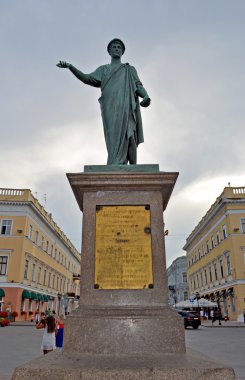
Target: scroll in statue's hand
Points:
x,y
145,102
63,65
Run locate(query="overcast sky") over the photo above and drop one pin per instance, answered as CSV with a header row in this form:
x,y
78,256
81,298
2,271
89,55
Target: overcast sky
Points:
x,y
190,56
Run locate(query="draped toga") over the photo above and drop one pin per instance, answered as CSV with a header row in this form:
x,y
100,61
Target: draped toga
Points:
x,y
120,108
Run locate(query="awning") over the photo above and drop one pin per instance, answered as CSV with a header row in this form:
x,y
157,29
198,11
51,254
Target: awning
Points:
x,y
33,296
26,294
45,298
2,293
40,297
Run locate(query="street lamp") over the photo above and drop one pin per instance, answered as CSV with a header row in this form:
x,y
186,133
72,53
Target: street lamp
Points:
x,y
198,298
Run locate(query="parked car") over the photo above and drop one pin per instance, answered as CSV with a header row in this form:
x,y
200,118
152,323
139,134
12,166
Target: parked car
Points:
x,y
190,319
4,322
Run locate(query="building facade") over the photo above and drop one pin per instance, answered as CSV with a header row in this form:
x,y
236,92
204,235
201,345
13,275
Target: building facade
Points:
x,y
177,281
39,266
216,254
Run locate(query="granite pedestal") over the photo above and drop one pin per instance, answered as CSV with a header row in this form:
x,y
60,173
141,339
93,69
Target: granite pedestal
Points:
x,y
123,333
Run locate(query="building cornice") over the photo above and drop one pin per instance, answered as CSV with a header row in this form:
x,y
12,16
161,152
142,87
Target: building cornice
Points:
x,y
215,208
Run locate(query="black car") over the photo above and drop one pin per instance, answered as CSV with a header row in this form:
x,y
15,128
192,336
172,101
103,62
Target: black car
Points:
x,y
190,319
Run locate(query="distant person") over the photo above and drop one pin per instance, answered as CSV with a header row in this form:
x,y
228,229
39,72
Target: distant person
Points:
x,y
37,317
212,316
201,314
60,331
48,341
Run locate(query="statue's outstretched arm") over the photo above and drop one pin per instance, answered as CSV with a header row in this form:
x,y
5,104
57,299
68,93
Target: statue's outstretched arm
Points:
x,y
79,74
141,91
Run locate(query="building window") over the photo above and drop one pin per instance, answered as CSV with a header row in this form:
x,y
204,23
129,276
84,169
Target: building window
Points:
x,y
51,251
212,241
39,275
184,274
47,246
53,281
3,265
55,253
42,242
185,296
210,274
215,272
6,227
203,252
44,277
197,281
49,279
36,238
221,267
207,246
199,254
205,274
33,272
228,264
26,269
243,225
218,237
30,232
224,231
201,279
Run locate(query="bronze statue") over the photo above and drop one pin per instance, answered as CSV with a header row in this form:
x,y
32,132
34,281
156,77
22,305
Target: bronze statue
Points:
x,y
120,89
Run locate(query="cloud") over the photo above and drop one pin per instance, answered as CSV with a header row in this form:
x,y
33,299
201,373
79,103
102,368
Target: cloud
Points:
x,y
188,55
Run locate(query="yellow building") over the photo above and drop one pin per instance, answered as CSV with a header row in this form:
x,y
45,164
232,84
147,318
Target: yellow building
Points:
x,y
39,266
216,253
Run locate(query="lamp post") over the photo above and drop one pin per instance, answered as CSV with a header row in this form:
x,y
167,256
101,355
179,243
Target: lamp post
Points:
x,y
198,298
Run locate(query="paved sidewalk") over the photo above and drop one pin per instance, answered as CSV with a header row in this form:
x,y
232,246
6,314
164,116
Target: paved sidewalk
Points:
x,y
23,323
208,323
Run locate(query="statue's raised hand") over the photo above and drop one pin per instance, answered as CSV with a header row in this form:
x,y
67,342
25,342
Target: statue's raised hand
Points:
x,y
145,102
63,65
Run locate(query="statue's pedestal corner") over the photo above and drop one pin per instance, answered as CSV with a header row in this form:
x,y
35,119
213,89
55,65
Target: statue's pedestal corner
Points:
x,y
189,366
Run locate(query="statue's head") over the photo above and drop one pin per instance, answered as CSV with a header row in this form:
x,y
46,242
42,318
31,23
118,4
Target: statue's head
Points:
x,y
114,42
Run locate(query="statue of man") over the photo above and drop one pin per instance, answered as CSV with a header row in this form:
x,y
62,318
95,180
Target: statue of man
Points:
x,y
120,89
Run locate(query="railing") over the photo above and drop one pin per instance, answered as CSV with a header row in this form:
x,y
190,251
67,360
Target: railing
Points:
x,y
12,192
238,190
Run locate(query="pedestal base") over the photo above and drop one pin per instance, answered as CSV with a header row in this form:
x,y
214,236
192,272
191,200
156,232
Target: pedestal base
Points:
x,y
189,366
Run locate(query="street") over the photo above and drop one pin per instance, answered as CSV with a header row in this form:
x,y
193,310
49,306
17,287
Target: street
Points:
x,y
224,344
20,344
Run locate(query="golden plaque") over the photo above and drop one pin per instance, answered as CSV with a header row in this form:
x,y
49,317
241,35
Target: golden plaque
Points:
x,y
123,252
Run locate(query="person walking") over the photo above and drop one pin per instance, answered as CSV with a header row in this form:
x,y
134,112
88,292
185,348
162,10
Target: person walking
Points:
x,y
37,317
212,316
60,331
48,341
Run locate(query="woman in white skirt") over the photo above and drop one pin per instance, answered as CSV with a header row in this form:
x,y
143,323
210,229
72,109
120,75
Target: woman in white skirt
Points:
x,y
49,326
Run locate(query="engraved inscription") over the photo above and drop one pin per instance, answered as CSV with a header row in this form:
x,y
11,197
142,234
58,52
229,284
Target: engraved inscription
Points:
x,y
123,252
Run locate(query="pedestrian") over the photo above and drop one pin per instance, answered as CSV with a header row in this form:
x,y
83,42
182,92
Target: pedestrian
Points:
x,y
48,341
60,331
201,314
206,315
212,316
37,317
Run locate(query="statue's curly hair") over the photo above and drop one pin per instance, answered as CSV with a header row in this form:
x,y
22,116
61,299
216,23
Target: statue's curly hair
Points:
x,y
116,40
